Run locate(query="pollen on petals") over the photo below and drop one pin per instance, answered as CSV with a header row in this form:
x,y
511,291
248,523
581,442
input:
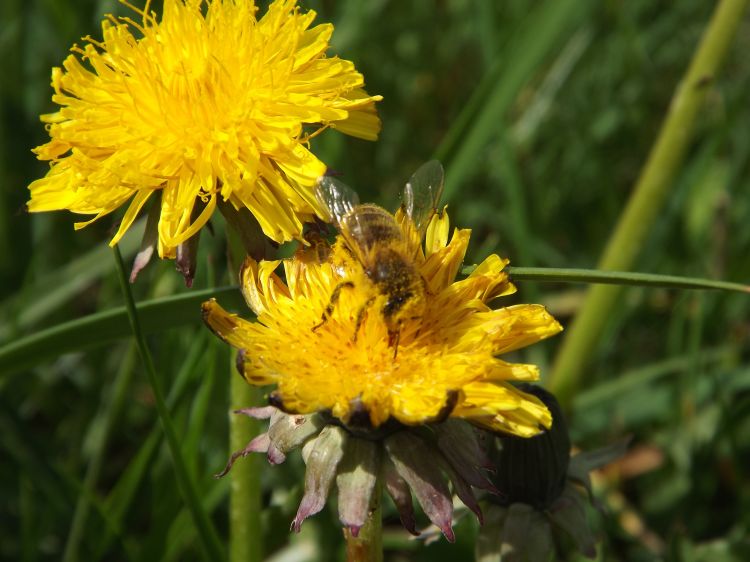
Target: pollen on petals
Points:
x,y
447,359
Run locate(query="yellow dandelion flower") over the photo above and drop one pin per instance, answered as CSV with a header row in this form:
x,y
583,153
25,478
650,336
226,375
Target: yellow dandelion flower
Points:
x,y
442,361
208,105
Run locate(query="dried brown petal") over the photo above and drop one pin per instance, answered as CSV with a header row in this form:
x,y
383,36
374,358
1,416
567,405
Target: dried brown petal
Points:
x,y
459,444
150,238
187,258
258,445
287,432
463,491
399,491
259,413
416,463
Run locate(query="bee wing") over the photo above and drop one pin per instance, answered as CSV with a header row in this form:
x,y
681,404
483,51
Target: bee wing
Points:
x,y
422,194
338,198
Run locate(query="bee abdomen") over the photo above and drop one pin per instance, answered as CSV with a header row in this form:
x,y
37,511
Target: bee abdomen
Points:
x,y
396,278
371,225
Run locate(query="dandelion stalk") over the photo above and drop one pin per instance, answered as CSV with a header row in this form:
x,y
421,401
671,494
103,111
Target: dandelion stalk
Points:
x,y
208,538
367,546
245,533
245,537
648,196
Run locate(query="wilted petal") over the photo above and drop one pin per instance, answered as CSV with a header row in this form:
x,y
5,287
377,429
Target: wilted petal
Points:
x,y
459,444
399,491
186,260
149,241
259,444
415,462
259,413
289,431
464,492
356,479
322,456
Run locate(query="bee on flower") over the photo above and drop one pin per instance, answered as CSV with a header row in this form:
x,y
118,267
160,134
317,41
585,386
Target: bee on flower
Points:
x,y
384,248
379,341
209,107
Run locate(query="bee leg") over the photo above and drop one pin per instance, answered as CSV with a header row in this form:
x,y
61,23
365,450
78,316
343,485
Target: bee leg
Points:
x,y
332,302
393,338
361,317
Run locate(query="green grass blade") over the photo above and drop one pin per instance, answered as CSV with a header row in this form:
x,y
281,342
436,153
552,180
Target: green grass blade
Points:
x,y
26,453
38,300
595,276
180,531
536,38
609,391
649,195
123,493
107,417
102,327
209,540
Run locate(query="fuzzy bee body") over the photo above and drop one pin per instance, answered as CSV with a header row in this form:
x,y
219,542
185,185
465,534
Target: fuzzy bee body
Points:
x,y
376,240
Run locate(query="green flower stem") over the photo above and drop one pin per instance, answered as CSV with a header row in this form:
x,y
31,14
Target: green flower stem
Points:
x,y
209,540
567,275
648,196
367,546
245,532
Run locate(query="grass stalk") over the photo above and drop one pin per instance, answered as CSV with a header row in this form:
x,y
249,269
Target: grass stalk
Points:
x,y
538,35
621,278
209,540
648,197
109,412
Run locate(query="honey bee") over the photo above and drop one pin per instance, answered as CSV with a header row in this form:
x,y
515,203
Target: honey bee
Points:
x,y
385,249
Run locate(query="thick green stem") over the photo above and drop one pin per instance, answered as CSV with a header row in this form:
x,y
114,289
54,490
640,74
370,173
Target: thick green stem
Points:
x,y
245,536
648,196
209,540
245,533
367,546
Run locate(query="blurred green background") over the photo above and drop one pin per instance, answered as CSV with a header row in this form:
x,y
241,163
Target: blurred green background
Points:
x,y
543,113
